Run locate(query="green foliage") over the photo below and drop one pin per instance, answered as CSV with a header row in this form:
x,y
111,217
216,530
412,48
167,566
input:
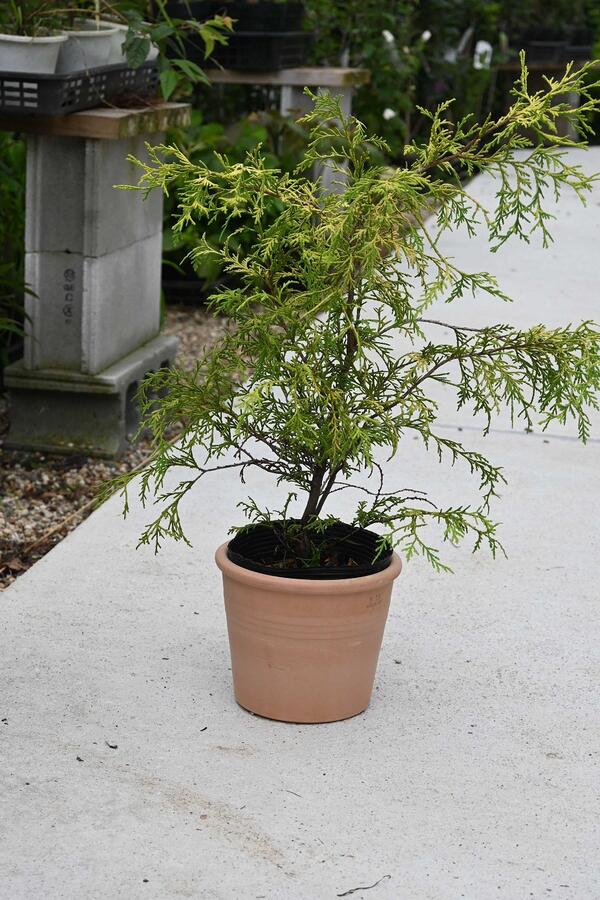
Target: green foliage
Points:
x,y
428,56
351,33
307,385
559,16
12,228
280,141
170,34
28,17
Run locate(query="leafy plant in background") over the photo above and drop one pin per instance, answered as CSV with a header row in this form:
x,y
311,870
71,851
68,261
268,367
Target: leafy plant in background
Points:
x,y
421,52
454,68
12,228
351,33
29,17
520,16
12,315
308,385
149,23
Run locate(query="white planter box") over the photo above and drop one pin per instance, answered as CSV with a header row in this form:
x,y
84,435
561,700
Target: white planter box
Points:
x,y
32,55
87,47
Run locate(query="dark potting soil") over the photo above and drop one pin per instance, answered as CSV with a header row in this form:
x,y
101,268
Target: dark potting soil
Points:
x,y
343,552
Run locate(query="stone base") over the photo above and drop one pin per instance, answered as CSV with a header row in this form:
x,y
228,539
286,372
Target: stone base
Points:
x,y
68,412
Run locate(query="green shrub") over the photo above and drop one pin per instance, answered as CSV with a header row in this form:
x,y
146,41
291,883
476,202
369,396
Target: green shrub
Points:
x,y
280,142
308,385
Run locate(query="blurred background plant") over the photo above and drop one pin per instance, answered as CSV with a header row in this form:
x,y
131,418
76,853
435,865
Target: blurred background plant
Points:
x,y
150,24
28,17
422,52
12,233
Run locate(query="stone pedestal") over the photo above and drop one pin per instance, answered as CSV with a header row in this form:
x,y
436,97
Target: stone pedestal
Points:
x,y
93,261
339,81
294,102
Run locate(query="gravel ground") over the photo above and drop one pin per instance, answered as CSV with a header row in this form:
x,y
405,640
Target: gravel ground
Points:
x,y
40,492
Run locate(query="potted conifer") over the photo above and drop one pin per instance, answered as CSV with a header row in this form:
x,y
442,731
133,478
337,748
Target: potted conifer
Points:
x,y
307,384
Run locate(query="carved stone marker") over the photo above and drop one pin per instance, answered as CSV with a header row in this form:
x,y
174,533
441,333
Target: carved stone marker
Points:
x,y
93,261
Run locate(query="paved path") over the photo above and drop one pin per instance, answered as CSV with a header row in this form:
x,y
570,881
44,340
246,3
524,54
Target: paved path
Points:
x,y
127,771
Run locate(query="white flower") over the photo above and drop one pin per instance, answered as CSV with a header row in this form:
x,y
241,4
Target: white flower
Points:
x,y
426,36
389,114
482,58
388,36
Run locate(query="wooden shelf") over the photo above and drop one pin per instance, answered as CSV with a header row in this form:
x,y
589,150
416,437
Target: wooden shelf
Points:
x,y
103,122
315,76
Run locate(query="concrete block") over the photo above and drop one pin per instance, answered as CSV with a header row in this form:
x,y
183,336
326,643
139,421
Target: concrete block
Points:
x,y
55,422
121,302
93,260
54,333
62,412
54,196
115,218
72,203
90,311
294,102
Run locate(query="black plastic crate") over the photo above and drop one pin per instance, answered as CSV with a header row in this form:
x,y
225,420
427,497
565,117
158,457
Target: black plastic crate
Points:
x,y
184,288
57,95
545,51
578,52
249,16
261,52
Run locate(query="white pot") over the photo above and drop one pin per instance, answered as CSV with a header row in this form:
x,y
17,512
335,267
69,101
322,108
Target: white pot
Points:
x,y
116,52
32,55
87,47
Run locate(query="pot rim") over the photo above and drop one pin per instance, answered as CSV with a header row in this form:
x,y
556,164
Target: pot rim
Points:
x,y
107,29
58,37
120,26
332,586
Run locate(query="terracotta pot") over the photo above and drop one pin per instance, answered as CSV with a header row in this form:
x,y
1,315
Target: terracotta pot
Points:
x,y
304,650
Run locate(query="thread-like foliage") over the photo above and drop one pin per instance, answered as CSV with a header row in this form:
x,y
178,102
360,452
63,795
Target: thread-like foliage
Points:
x,y
307,384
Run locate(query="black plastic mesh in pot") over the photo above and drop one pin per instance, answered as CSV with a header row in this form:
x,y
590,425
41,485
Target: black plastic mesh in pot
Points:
x,y
260,545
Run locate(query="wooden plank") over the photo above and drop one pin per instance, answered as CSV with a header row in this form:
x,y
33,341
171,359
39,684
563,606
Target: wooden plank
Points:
x,y
315,76
103,123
